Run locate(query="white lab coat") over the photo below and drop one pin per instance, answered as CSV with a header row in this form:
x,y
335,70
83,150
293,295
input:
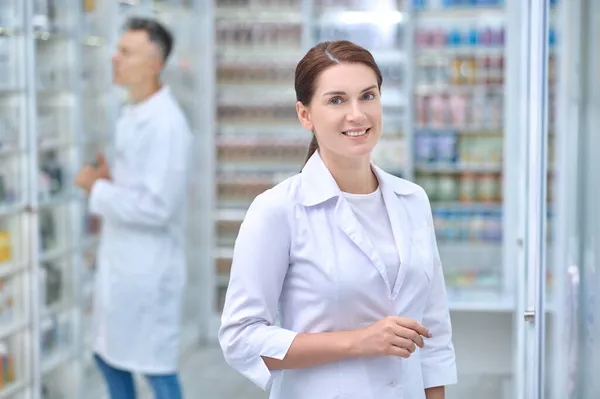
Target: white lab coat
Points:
x,y
141,258
302,255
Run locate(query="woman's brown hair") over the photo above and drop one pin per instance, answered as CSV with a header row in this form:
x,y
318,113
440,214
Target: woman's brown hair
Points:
x,y
321,57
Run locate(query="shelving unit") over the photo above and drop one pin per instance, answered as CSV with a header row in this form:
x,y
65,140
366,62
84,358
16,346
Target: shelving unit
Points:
x,y
182,74
57,111
72,126
449,70
17,268
384,29
258,143
438,61
459,137
430,80
97,31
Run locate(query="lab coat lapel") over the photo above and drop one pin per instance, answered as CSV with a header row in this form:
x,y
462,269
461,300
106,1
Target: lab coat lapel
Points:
x,y
318,186
400,224
136,117
349,224
394,191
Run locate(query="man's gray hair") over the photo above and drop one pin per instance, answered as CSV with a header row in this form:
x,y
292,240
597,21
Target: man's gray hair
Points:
x,y
158,34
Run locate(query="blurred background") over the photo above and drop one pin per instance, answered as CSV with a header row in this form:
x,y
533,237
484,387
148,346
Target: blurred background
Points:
x,y
453,98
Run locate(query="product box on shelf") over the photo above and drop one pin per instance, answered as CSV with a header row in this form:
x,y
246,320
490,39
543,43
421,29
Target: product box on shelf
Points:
x,y
482,35
468,224
458,3
8,194
5,247
473,285
239,190
263,35
258,4
447,147
7,365
6,302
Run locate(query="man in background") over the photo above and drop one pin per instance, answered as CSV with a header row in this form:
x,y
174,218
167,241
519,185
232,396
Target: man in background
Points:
x,y
141,202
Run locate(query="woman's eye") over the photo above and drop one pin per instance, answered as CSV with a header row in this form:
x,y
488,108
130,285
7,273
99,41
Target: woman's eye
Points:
x,y
335,100
369,96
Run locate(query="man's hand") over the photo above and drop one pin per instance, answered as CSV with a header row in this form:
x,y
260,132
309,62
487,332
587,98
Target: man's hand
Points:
x,y
86,178
102,167
435,393
88,175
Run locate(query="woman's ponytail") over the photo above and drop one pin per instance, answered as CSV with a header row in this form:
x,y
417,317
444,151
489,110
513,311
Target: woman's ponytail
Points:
x,y
312,147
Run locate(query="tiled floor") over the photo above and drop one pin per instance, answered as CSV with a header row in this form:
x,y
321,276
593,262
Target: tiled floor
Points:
x,y
205,375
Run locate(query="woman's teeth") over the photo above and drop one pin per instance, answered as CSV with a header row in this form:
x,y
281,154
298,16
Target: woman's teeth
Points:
x,y
355,134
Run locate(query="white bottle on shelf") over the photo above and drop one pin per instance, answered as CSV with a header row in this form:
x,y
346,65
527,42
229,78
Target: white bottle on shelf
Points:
x,y
41,19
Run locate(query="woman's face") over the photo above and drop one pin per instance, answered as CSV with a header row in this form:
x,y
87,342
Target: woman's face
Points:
x,y
345,111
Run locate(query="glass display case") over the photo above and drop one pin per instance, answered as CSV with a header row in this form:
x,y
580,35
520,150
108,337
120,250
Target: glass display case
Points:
x,y
17,268
458,142
58,109
259,140
382,28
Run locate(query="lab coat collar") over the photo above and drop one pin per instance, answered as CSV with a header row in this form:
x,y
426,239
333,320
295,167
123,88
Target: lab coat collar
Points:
x,y
150,105
318,185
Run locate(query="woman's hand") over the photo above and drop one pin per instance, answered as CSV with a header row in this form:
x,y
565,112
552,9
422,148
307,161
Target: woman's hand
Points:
x,y
392,336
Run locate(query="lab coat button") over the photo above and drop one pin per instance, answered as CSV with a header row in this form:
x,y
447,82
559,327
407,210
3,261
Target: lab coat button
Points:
x,y
392,383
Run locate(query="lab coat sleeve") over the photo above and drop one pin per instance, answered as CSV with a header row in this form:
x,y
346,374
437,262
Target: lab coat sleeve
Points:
x,y
438,363
260,261
163,185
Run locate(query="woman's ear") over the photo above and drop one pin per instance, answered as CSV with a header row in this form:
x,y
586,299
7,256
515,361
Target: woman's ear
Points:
x,y
304,116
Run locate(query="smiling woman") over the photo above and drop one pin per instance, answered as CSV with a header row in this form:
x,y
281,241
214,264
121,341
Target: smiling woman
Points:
x,y
339,75
345,254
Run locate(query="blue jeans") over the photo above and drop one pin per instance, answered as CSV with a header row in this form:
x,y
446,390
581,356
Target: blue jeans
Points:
x,y
121,386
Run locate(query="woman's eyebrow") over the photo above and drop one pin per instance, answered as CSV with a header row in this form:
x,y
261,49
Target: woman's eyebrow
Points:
x,y
339,93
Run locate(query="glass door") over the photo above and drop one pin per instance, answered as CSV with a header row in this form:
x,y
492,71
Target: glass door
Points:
x,y
531,186
574,347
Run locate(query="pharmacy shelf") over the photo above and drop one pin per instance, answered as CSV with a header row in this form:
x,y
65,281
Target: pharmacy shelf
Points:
x,y
9,268
272,14
256,51
16,261
502,305
12,209
65,108
13,327
231,215
13,388
57,43
481,13
459,55
57,358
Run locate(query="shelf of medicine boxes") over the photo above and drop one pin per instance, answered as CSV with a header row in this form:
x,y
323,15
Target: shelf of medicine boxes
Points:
x,y
56,195
259,139
97,136
458,146
179,71
15,264
387,47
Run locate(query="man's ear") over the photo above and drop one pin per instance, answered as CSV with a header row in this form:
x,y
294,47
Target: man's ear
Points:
x,y
304,116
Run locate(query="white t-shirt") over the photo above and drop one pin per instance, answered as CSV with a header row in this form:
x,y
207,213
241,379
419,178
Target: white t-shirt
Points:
x,y
372,215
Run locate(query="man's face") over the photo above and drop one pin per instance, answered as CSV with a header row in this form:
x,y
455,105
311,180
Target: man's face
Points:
x,y
136,60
